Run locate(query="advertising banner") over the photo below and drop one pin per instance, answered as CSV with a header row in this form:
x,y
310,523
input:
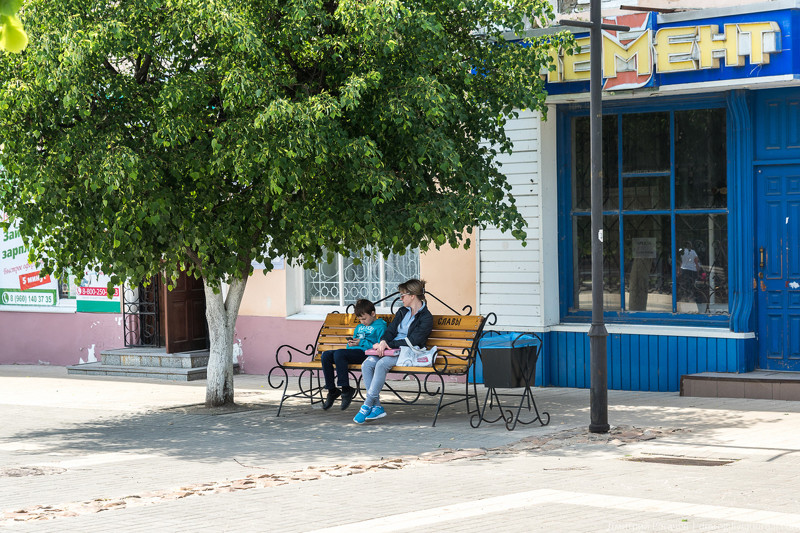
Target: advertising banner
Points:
x,y
22,285
20,281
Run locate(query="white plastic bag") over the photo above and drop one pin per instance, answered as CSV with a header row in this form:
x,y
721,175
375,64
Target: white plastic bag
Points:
x,y
413,356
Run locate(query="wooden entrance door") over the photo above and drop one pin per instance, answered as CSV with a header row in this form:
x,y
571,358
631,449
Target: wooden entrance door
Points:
x,y
184,315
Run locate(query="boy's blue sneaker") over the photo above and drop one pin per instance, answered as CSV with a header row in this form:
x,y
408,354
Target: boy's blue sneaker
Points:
x,y
362,413
376,413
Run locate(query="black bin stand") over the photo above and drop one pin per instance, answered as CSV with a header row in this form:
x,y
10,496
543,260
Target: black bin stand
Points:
x,y
509,362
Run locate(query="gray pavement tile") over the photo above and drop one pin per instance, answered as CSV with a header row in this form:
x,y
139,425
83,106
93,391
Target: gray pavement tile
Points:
x,y
117,438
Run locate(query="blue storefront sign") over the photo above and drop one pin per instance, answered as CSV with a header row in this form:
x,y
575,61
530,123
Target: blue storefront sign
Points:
x,y
669,51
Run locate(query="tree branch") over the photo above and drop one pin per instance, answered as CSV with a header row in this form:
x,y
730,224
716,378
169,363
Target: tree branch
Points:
x,y
142,68
194,258
110,67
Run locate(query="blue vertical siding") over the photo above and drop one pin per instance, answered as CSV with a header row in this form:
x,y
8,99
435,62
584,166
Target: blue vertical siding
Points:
x,y
683,357
615,374
702,354
639,362
673,378
572,353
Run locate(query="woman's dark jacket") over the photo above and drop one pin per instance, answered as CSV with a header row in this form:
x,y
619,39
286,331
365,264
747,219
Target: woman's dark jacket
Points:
x,y
418,331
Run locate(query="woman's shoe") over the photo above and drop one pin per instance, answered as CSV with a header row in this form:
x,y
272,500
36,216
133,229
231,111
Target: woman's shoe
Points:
x,y
362,413
376,413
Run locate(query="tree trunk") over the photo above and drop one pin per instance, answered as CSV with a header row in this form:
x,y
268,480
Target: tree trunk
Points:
x,y
221,315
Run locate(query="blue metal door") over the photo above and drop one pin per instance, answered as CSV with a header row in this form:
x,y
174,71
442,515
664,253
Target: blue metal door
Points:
x,y
778,267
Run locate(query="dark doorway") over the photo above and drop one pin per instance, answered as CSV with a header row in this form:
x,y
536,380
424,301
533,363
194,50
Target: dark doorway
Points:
x,y
184,315
141,314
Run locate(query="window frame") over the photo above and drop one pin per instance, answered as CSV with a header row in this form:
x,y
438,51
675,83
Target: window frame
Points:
x,y
322,309
566,114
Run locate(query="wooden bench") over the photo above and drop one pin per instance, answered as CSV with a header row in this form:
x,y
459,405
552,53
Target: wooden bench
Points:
x,y
455,336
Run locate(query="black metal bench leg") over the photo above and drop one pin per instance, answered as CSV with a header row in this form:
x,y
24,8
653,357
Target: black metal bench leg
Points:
x,y
438,405
283,394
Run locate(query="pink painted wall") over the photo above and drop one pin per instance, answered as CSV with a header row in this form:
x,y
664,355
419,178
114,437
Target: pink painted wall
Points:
x,y
56,338
69,338
259,338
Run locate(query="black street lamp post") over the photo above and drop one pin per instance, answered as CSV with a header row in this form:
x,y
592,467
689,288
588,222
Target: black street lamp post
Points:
x,y
598,392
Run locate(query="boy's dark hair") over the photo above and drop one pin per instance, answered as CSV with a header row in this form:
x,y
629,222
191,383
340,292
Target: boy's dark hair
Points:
x,y
363,307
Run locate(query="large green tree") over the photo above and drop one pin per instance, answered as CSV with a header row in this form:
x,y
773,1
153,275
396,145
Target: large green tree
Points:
x,y
147,136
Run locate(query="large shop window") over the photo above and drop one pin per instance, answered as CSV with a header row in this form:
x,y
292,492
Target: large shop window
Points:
x,y
342,281
665,213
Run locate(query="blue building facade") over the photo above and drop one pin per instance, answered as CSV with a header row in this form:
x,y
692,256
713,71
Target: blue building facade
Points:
x,y
701,199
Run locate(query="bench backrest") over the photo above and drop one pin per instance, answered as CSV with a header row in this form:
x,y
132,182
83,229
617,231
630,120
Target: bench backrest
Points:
x,y
451,333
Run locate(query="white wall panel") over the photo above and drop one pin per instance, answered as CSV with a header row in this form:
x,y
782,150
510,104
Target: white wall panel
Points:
x,y
511,275
494,234
507,287
511,256
525,134
515,300
517,278
515,168
506,266
491,246
513,317
518,158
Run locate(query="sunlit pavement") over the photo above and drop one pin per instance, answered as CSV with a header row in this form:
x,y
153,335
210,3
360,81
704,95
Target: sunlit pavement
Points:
x,y
95,454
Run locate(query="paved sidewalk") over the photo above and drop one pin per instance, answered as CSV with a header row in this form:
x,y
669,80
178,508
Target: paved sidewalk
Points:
x,y
97,454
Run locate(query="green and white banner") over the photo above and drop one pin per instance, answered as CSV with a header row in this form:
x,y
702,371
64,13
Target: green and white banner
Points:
x,y
92,295
20,281
22,285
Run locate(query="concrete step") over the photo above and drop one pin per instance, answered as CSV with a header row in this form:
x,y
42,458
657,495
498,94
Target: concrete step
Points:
x,y
154,357
172,374
760,384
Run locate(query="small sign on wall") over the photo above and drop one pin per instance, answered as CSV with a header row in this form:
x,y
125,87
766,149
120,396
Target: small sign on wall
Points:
x,y
644,248
93,295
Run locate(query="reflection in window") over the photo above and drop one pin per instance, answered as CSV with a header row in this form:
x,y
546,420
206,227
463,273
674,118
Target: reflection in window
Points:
x,y
648,271
644,269
581,143
702,263
582,255
645,142
640,193
342,281
700,173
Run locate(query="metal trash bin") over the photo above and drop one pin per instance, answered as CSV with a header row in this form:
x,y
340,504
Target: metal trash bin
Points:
x,y
509,360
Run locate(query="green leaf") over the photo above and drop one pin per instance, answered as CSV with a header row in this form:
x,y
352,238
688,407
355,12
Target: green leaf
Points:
x,y
10,7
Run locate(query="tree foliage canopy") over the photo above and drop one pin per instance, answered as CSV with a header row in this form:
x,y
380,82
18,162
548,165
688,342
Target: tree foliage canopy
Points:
x,y
210,133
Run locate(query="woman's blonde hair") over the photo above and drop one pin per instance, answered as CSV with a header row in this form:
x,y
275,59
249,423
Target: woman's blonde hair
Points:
x,y
413,286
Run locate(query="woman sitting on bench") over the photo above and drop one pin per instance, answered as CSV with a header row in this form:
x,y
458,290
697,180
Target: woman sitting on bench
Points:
x,y
412,321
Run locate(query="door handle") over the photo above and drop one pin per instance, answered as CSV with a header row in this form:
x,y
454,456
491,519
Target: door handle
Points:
x,y
762,263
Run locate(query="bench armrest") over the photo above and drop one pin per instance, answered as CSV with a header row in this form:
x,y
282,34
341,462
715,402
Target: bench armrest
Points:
x,y
287,353
446,358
